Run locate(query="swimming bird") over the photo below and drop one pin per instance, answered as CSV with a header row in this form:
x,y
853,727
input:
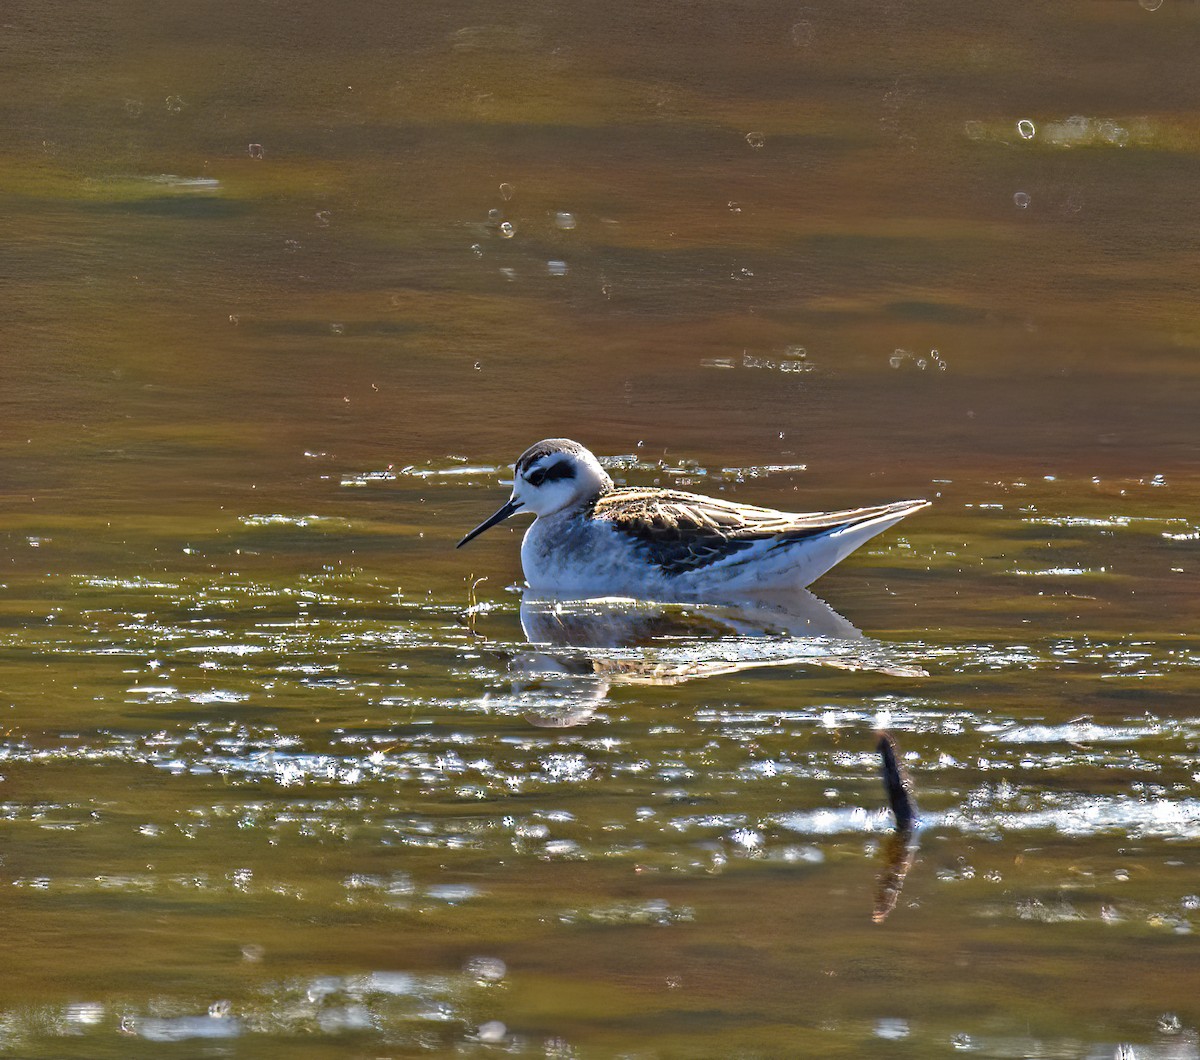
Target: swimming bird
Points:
x,y
593,538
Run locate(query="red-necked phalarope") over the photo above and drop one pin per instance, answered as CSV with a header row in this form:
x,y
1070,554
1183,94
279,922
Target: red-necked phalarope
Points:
x,y
593,538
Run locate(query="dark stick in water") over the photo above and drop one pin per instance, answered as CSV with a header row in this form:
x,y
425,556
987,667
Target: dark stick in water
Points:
x,y
897,783
900,847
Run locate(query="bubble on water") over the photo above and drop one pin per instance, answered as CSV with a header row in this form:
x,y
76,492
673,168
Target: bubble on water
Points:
x,y
1022,199
477,250
935,359
134,108
1026,129
255,151
337,329
507,231
564,220
175,104
802,33
1150,5
485,970
292,244
495,216
755,139
734,207
506,191
961,1041
492,1032
1169,1023
1113,133
323,218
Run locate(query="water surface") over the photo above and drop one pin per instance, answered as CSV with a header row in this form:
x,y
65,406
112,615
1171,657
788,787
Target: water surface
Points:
x,y
287,290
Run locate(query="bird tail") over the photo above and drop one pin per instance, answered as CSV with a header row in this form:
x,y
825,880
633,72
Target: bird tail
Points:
x,y
840,534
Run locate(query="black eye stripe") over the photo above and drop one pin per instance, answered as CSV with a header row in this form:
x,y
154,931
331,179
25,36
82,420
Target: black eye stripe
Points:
x,y
559,470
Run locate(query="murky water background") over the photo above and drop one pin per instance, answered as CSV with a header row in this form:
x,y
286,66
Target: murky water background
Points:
x,y
286,288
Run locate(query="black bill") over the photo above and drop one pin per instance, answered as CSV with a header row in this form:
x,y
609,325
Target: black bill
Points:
x,y
512,506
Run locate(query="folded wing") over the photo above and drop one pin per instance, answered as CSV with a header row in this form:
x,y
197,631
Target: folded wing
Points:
x,y
683,532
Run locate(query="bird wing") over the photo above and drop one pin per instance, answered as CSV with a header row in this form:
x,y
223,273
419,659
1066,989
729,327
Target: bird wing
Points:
x,y
683,532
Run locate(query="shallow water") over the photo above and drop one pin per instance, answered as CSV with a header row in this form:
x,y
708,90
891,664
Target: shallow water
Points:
x,y
284,774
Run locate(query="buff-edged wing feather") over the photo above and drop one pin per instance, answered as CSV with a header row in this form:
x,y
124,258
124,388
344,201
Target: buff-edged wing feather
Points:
x,y
681,532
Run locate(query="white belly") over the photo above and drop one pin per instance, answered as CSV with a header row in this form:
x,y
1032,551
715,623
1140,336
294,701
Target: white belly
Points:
x,y
565,554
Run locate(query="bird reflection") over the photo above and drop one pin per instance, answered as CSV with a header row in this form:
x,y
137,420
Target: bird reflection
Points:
x,y
580,648
617,623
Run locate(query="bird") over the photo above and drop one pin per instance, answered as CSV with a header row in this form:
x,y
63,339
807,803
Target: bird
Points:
x,y
593,538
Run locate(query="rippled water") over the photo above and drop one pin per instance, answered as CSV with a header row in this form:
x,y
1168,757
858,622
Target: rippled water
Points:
x,y
274,798
284,774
